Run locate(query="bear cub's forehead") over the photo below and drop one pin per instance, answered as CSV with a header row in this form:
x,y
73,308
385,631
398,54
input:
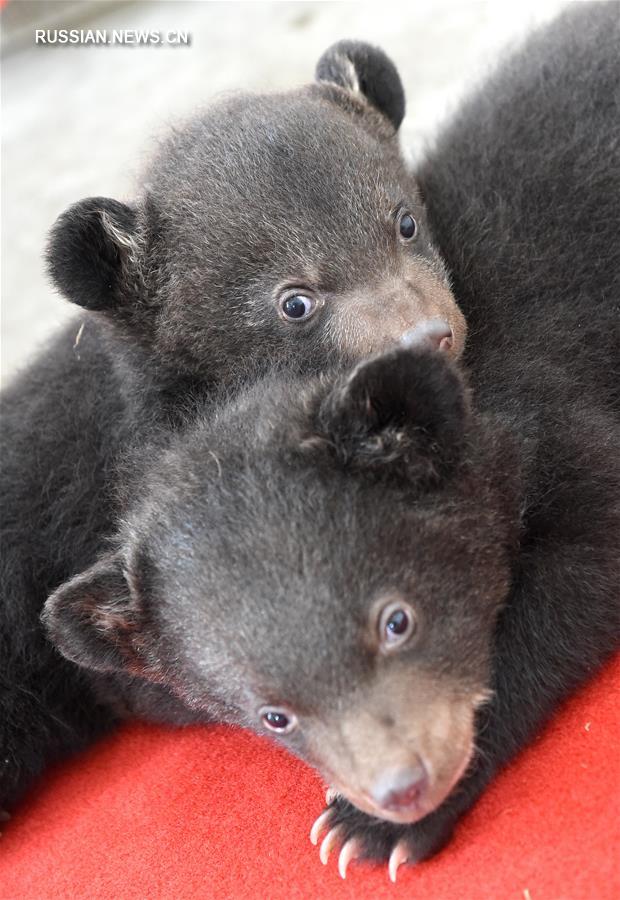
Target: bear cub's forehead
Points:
x,y
299,148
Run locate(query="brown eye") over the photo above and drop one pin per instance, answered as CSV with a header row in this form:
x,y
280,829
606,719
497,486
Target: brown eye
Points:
x,y
407,226
278,720
396,624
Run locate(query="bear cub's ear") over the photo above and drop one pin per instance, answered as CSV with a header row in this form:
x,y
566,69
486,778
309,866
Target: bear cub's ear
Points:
x,y
364,69
95,618
91,250
404,411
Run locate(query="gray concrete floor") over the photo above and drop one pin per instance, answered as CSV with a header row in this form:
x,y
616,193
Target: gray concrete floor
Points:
x,y
79,120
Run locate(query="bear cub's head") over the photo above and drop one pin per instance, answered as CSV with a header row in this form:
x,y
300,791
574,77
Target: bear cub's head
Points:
x,y
282,228
324,561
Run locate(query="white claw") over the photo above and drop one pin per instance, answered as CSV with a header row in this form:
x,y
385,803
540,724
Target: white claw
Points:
x,y
317,828
330,796
398,856
329,842
349,851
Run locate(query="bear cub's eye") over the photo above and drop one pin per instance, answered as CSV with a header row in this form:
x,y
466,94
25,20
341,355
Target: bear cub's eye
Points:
x,y
297,308
407,226
278,720
396,625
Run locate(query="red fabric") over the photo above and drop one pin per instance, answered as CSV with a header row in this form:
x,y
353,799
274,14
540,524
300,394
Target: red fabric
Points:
x,y
218,813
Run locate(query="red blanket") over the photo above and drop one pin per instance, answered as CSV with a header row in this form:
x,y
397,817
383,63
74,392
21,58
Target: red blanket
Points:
x,y
217,813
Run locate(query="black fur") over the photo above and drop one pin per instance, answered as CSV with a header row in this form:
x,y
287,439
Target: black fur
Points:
x,y
359,67
539,460
56,451
529,228
522,193
178,294
259,193
526,514
387,414
85,257
247,572
260,503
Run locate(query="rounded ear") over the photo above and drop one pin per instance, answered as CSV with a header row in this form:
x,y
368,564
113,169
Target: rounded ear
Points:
x,y
404,411
363,69
94,619
90,248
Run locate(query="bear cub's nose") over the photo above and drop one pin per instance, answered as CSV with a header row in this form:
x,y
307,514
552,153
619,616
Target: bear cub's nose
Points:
x,y
400,789
433,333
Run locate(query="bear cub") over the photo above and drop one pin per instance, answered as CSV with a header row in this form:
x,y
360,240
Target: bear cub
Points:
x,y
360,565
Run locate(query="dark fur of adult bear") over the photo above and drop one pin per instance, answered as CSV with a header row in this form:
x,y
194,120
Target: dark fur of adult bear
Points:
x,y
279,230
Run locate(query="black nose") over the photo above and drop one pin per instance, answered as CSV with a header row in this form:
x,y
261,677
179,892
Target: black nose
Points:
x,y
433,333
399,789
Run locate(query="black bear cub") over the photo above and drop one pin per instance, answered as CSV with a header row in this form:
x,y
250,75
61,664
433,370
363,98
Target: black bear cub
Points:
x,y
284,227
278,230
326,559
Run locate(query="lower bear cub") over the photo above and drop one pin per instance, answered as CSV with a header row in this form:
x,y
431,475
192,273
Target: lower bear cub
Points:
x,y
398,586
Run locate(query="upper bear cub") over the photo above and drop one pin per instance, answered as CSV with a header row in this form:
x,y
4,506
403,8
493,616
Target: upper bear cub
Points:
x,y
283,227
280,230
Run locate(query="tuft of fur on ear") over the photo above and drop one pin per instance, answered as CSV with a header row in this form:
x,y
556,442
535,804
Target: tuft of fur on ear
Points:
x,y
365,70
91,251
94,619
404,411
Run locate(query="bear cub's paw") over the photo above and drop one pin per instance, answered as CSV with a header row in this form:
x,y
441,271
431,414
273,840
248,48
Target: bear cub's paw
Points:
x,y
360,836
